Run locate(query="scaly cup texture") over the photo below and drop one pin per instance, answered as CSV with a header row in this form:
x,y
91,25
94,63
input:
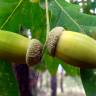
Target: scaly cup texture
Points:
x,y
34,52
74,48
53,38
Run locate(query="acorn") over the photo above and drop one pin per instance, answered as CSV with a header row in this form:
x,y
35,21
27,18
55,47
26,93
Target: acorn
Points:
x,y
19,49
73,48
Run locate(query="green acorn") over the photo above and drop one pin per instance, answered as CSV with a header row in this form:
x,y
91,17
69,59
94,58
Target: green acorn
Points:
x,y
19,49
74,48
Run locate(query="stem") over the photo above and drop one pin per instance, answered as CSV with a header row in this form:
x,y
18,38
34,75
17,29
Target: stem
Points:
x,y
47,29
47,17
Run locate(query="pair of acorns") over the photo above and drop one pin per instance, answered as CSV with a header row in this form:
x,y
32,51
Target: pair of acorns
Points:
x,y
74,48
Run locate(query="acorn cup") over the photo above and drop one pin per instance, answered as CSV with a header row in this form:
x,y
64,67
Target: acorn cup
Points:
x,y
19,49
73,48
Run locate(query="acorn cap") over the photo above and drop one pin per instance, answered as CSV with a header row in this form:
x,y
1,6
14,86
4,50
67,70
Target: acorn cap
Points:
x,y
34,52
53,38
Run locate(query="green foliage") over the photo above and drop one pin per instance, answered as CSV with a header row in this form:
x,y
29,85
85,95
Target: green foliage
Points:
x,y
8,83
88,79
14,14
